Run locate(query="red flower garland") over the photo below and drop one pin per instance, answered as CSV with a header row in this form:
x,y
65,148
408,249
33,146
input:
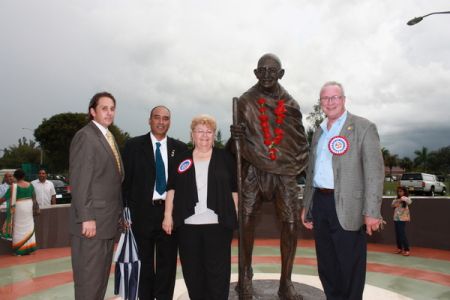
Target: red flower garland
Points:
x,y
279,112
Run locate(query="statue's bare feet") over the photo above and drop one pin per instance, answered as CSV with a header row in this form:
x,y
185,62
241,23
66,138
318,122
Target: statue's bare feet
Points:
x,y
287,291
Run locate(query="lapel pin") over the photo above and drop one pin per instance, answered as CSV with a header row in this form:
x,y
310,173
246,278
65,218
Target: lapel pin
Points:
x,y
172,154
349,128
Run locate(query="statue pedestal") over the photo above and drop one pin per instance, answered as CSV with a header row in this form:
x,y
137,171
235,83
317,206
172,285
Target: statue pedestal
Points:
x,y
268,290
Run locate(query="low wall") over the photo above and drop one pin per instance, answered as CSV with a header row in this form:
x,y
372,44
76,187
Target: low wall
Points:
x,y
430,225
51,228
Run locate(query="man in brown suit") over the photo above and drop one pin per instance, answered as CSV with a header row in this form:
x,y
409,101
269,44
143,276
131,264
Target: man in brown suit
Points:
x,y
95,176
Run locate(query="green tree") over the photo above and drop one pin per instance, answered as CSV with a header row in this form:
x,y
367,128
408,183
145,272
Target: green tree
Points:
x,y
421,159
315,117
56,133
218,142
391,161
439,161
406,164
26,151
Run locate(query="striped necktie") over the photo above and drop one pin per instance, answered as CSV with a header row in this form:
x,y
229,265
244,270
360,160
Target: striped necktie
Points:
x,y
112,144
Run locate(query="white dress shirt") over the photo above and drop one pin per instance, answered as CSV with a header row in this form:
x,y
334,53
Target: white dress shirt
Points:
x,y
44,192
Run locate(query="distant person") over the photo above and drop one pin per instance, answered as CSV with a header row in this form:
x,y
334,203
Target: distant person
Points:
x,y
401,216
44,189
19,223
202,207
343,193
96,173
8,179
147,160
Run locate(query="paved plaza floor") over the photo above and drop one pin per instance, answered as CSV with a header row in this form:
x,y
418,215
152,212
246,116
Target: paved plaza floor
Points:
x,y
47,274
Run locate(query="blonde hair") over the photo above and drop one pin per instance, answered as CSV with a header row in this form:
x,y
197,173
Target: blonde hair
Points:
x,y
206,120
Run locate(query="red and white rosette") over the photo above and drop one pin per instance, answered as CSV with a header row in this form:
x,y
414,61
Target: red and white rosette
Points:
x,y
338,145
184,166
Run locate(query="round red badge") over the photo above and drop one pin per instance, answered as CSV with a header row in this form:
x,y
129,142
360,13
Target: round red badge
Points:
x,y
338,145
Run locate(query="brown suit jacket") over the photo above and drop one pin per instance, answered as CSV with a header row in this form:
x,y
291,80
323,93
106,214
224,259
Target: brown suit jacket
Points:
x,y
96,183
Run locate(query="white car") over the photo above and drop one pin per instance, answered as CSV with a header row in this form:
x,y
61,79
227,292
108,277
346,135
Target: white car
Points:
x,y
423,183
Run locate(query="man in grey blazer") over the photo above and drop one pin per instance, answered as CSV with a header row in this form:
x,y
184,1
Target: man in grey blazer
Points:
x,y
343,193
96,174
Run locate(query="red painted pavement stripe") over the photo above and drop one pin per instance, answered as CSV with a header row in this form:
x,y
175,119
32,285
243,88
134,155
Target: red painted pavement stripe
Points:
x,y
415,251
54,253
35,285
35,257
31,286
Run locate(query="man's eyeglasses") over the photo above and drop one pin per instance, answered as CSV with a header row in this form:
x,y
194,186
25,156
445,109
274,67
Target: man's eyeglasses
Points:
x,y
202,132
334,98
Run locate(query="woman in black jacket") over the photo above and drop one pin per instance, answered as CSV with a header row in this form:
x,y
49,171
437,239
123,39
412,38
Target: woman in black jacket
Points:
x,y
201,204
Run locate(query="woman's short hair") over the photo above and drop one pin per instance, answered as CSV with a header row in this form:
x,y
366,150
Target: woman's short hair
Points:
x,y
206,120
19,174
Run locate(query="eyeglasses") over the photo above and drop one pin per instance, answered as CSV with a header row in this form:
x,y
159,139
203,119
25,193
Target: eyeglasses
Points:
x,y
271,71
202,132
334,98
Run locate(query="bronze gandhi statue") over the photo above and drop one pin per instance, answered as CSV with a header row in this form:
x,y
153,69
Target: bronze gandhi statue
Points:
x,y
274,151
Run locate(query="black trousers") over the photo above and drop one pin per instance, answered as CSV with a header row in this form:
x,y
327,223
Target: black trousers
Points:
x,y
205,254
341,254
158,254
400,235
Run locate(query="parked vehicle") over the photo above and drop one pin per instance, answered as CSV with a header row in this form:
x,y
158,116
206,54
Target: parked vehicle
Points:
x,y
422,183
57,177
63,193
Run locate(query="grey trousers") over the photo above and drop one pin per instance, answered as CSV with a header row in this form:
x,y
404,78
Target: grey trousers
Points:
x,y
91,265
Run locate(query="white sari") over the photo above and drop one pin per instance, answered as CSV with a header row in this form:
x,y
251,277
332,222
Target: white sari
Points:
x,y
21,213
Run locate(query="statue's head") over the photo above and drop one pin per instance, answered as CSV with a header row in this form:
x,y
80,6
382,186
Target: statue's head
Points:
x,y
268,72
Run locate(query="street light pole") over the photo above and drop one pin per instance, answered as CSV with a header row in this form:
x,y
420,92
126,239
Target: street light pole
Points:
x,y
40,147
418,19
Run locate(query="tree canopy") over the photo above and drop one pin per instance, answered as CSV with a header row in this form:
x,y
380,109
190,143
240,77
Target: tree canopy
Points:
x,y
26,151
315,117
56,133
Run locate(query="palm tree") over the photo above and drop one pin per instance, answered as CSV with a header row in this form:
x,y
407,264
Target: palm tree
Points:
x,y
422,158
390,162
385,153
405,163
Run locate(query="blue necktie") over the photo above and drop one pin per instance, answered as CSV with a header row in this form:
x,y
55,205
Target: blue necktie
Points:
x,y
160,171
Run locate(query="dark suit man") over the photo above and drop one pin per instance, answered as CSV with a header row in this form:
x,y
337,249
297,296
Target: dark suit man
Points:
x,y
157,250
96,177
343,192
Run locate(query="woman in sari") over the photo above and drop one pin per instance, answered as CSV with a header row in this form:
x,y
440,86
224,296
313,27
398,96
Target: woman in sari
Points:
x,y
19,223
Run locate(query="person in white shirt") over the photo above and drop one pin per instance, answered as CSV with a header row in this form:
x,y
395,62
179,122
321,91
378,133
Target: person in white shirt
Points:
x,y
44,189
8,179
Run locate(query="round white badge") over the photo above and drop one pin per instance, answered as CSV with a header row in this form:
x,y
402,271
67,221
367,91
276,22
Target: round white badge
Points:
x,y
338,145
184,165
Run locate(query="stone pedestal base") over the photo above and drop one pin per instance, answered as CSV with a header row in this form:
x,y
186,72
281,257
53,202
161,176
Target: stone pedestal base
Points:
x,y
268,290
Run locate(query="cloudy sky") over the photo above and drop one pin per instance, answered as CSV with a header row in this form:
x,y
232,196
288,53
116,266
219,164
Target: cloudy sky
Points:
x,y
194,56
